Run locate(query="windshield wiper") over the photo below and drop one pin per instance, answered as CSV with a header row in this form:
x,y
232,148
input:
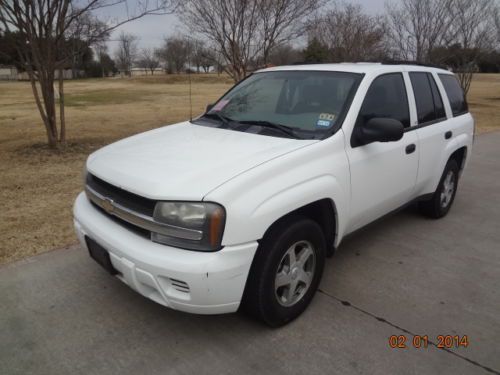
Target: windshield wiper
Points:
x,y
225,120
268,124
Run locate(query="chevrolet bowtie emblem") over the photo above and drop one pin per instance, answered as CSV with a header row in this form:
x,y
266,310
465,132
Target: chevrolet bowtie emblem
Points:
x,y
107,205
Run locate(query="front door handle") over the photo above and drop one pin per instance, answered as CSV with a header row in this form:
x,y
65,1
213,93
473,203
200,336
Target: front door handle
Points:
x,y
448,134
411,148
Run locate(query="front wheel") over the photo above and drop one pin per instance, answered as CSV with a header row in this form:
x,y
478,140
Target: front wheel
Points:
x,y
286,271
442,199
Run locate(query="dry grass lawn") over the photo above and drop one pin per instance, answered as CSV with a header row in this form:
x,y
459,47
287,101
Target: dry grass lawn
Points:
x,y
38,186
484,101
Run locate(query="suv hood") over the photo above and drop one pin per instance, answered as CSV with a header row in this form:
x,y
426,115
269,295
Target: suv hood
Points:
x,y
184,161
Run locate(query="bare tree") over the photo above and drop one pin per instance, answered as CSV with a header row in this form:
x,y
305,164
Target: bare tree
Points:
x,y
127,52
350,34
198,53
175,53
208,59
496,16
45,26
101,51
473,29
246,30
418,26
219,61
149,60
284,55
201,56
453,32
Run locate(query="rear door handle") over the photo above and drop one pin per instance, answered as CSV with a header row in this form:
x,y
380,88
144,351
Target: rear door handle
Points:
x,y
411,148
448,134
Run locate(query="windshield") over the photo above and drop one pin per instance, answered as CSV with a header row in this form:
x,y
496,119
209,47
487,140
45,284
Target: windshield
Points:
x,y
300,104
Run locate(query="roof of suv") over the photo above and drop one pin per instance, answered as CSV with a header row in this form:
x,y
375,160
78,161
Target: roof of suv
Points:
x,y
360,67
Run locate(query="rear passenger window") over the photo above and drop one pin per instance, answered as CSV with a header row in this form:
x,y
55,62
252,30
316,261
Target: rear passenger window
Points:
x,y
427,98
438,101
423,97
386,97
455,94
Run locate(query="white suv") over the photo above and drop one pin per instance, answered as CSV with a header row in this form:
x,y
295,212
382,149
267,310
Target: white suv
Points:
x,y
241,206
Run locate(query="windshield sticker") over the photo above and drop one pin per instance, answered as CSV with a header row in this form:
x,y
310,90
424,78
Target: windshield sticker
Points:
x,y
325,119
327,116
219,106
323,123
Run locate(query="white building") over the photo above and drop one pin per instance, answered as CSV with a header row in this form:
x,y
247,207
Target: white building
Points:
x,y
8,73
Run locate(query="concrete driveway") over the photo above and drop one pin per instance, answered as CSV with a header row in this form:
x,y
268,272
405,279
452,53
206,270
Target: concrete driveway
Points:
x,y
60,313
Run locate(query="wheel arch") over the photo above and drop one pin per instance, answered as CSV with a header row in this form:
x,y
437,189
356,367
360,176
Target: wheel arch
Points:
x,y
460,156
324,213
456,150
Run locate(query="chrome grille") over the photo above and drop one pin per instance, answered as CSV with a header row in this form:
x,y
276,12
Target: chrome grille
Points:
x,y
130,208
126,199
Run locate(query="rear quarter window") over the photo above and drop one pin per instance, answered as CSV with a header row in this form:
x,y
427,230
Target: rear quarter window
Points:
x,y
455,94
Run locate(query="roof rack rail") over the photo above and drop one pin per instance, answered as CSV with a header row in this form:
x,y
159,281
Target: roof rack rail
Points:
x,y
308,63
410,62
334,62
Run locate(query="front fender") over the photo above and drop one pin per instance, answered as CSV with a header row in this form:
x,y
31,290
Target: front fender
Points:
x,y
259,197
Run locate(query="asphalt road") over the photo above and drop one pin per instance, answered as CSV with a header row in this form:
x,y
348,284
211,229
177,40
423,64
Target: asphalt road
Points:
x,y
405,275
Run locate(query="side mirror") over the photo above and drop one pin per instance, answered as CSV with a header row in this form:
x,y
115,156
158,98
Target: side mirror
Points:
x,y
209,107
380,129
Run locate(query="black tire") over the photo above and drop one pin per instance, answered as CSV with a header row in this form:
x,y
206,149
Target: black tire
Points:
x,y
261,298
436,207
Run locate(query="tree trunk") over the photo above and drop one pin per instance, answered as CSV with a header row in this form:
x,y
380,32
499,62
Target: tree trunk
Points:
x,y
465,78
47,87
51,140
62,118
47,112
238,73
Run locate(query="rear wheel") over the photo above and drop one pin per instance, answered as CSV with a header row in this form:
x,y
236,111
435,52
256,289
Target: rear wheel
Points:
x,y
286,271
442,199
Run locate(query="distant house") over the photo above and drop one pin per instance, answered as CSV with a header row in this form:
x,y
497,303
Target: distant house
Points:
x,y
139,72
67,74
146,72
8,73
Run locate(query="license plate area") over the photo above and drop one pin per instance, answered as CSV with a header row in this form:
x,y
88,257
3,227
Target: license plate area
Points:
x,y
100,255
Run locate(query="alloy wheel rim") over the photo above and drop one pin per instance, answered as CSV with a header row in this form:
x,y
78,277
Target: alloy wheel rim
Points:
x,y
295,273
448,189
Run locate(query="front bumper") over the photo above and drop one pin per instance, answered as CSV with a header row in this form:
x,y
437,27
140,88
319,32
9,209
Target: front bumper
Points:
x,y
195,282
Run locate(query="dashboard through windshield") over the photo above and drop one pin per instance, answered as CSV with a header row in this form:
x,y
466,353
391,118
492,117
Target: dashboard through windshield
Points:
x,y
298,104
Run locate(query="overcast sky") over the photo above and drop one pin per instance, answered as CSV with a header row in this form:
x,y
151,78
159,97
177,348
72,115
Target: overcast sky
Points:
x,y
151,30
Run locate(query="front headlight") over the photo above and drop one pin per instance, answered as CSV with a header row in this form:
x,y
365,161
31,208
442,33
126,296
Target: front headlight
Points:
x,y
190,225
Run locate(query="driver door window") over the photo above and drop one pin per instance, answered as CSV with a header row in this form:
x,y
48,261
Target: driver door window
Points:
x,y
386,97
